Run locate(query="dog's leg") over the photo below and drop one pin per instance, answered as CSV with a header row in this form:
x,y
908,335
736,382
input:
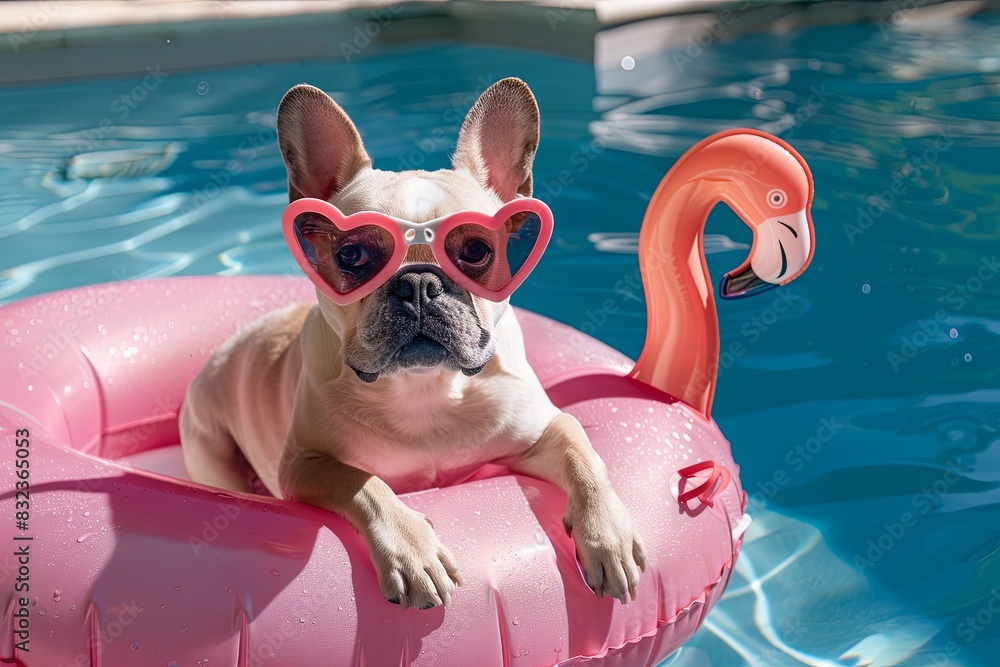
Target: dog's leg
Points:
x,y
211,456
414,569
609,547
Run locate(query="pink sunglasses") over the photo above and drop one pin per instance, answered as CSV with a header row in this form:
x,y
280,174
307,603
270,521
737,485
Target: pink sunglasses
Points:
x,y
349,257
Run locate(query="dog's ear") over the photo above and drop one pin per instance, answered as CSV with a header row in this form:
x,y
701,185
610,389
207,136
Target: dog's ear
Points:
x,y
499,138
321,147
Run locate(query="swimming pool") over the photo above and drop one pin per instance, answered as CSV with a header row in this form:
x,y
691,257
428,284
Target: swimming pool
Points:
x,y
862,406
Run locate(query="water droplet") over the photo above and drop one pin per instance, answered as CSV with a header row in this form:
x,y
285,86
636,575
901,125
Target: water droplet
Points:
x,y
302,619
516,622
953,333
72,607
176,588
628,63
163,606
274,573
134,646
172,663
57,595
866,288
41,612
968,357
185,628
83,538
340,607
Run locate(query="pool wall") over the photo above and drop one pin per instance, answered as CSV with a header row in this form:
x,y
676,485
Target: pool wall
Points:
x,y
55,40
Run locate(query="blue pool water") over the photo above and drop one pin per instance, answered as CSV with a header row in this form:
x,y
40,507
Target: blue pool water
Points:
x,y
864,408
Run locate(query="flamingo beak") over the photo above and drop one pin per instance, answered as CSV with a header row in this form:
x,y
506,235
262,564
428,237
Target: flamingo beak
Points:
x,y
782,249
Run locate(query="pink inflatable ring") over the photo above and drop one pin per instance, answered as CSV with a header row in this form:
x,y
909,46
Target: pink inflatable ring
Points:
x,y
116,566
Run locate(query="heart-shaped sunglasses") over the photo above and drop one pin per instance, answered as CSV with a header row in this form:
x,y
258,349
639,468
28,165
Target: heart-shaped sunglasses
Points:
x,y
348,257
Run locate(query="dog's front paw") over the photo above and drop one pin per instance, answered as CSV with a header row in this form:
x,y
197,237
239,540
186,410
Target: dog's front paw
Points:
x,y
414,569
608,545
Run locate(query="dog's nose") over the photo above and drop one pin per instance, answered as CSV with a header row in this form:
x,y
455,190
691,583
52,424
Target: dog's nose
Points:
x,y
417,286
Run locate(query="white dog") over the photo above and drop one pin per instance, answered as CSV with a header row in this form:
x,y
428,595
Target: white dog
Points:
x,y
343,406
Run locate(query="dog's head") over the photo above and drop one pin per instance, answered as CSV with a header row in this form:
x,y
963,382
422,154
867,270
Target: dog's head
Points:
x,y
419,319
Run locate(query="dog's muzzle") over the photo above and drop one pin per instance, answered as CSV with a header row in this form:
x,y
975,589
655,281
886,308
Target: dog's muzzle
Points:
x,y
423,320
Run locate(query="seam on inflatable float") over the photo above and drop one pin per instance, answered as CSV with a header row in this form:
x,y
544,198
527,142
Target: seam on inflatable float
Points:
x,y
39,422
243,646
502,626
97,441
112,430
21,413
569,374
94,627
700,599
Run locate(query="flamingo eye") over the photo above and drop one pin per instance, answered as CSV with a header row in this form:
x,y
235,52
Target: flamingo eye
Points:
x,y
776,198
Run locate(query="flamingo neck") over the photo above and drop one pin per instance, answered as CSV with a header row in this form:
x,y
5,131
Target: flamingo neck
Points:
x,y
681,352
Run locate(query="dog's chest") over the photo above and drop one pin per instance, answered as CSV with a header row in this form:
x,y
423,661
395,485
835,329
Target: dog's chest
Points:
x,y
434,439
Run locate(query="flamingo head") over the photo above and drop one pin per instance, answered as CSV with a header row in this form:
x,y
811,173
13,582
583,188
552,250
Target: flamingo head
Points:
x,y
771,191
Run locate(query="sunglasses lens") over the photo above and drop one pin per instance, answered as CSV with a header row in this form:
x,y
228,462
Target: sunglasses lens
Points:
x,y
344,259
493,257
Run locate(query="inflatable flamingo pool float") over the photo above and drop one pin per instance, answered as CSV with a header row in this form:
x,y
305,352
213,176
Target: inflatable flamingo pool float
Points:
x,y
113,565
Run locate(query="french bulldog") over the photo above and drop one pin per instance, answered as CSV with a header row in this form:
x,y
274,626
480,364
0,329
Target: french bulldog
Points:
x,y
344,406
